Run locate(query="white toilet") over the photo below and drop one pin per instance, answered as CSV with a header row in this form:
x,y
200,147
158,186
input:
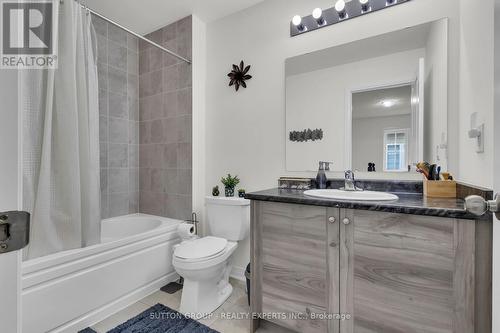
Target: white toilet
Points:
x,y
204,263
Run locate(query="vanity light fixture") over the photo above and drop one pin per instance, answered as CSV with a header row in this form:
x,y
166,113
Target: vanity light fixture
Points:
x,y
297,21
343,10
365,5
317,14
340,8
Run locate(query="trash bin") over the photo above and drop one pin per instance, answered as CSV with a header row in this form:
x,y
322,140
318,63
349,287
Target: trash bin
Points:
x,y
248,276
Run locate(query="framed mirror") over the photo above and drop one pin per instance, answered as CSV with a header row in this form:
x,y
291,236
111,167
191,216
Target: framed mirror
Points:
x,y
377,105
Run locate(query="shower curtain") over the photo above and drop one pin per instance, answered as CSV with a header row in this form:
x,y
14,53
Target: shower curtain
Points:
x,y
60,117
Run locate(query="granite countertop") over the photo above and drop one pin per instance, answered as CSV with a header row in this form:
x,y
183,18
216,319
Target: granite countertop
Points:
x,y
408,203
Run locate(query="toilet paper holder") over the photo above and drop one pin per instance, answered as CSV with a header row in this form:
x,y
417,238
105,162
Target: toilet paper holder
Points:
x,y
194,221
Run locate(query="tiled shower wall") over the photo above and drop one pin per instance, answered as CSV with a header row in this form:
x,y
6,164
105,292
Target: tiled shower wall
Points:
x,y
165,115
118,72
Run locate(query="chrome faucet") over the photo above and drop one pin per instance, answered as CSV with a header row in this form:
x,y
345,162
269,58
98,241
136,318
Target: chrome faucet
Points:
x,y
349,183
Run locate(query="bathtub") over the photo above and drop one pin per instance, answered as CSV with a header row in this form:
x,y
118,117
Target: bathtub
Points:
x,y
71,290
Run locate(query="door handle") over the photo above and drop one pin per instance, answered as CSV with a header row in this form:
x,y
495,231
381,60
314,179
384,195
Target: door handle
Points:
x,y
478,206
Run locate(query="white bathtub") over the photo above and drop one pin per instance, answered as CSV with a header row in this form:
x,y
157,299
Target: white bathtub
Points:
x,y
71,290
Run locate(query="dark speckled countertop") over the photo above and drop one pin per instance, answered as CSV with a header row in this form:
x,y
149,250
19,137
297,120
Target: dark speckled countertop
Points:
x,y
408,203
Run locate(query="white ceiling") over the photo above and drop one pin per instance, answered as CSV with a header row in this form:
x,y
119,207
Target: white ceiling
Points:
x,y
145,16
368,104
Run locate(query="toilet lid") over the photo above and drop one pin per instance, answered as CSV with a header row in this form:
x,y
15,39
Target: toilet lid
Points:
x,y
201,248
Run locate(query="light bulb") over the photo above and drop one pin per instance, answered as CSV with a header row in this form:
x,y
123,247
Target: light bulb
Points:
x,y
388,103
340,6
365,5
317,13
297,20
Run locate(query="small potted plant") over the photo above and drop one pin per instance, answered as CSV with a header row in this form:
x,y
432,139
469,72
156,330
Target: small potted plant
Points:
x,y
230,183
241,192
215,191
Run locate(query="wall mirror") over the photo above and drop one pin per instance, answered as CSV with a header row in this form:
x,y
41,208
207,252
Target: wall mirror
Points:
x,y
373,105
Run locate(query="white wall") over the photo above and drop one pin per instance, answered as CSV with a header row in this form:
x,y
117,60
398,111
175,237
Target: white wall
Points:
x,y
436,81
476,89
199,113
319,99
246,130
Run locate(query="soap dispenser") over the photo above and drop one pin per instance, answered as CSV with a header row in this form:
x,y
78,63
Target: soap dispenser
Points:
x,y
321,178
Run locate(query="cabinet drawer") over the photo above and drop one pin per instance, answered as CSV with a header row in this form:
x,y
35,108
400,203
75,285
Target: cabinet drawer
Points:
x,y
294,265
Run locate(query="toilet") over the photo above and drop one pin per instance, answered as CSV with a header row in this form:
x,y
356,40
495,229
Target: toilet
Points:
x,y
205,263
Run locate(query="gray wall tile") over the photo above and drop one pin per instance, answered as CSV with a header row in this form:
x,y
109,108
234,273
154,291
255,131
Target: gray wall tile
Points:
x,y
152,203
118,130
184,156
103,129
102,49
133,153
118,155
165,124
132,43
133,181
104,181
104,206
103,154
133,203
117,81
102,77
170,104
117,56
118,106
117,35
119,115
103,103
100,26
118,204
132,62
118,180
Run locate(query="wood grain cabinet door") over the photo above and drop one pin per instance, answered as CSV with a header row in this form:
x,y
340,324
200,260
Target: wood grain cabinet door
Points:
x,y
294,268
406,273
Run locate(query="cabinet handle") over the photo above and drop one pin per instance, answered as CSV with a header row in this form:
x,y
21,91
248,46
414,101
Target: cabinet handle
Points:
x,y
331,219
346,221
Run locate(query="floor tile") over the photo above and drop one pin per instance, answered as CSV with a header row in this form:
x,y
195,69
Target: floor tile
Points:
x,y
173,301
120,317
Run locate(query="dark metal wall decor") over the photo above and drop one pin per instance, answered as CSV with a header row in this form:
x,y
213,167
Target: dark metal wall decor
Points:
x,y
342,11
239,75
306,135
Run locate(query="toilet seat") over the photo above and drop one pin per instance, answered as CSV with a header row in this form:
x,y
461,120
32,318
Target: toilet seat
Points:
x,y
201,249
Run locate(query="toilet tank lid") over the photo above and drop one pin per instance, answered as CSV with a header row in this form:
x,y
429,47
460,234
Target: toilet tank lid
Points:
x,y
225,201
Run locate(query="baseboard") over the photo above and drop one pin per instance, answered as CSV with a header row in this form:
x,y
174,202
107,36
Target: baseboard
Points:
x,y
238,273
111,308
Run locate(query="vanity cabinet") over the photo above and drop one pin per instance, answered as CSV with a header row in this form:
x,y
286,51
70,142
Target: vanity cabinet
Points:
x,y
389,272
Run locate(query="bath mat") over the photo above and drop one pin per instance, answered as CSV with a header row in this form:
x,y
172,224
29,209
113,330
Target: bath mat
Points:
x,y
87,330
171,288
161,319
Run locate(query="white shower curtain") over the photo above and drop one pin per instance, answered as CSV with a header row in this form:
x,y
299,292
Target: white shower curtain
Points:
x,y
59,107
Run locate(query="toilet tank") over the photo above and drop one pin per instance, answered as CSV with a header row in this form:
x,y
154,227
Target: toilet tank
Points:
x,y
228,218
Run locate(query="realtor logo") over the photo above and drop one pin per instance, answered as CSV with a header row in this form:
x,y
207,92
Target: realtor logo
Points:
x,y
28,34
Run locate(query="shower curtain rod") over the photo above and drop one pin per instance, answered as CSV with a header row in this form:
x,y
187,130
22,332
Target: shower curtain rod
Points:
x,y
134,33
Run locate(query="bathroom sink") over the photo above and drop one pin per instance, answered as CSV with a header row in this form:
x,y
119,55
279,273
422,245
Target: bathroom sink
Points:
x,y
351,195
